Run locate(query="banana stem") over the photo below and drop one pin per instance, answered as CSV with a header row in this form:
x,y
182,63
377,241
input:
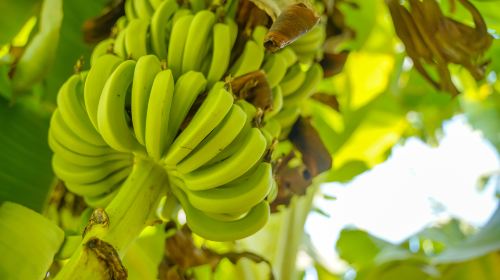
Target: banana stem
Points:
x,y
111,231
291,234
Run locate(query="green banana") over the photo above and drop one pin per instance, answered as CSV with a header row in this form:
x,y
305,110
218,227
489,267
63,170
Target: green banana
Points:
x,y
187,88
96,78
275,68
71,106
111,115
258,34
250,152
144,74
102,48
313,77
286,119
238,196
143,8
73,173
136,36
158,114
60,131
81,159
177,44
215,142
250,60
159,23
211,112
102,200
103,186
199,30
119,44
277,103
129,10
221,53
217,230
293,79
289,55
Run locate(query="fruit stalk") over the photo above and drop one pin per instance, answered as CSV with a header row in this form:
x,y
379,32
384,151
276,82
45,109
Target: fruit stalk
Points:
x,y
112,230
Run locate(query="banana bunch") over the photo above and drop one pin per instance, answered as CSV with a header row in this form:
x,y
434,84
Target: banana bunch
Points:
x,y
122,111
292,83
186,39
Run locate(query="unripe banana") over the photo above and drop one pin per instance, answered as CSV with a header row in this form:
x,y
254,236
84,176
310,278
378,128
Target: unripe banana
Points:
x,y
136,34
216,141
251,150
196,41
180,31
211,112
217,230
144,74
238,196
158,114
111,118
159,26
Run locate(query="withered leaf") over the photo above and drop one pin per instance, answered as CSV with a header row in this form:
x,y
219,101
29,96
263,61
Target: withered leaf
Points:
x,y
254,88
327,99
108,257
314,153
292,23
99,28
431,37
333,63
182,254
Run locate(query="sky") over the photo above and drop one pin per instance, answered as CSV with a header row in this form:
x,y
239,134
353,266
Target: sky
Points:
x,y
398,198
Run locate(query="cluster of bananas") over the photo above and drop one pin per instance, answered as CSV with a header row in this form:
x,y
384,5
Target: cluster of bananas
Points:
x,y
154,92
121,110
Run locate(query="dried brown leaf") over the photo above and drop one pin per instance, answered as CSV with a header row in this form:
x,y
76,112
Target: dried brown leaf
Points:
x,y
99,28
292,23
254,88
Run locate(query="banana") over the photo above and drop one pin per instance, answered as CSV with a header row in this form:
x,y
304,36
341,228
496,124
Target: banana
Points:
x,y
136,36
233,29
258,34
60,131
272,127
158,114
221,53
103,186
277,103
84,160
286,119
143,8
211,112
103,200
275,68
187,88
216,141
144,74
217,230
313,77
119,44
250,60
250,152
180,14
293,79
111,115
235,145
159,23
96,78
129,10
194,49
238,196
155,4
196,5
71,106
102,48
177,44
289,55
73,173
